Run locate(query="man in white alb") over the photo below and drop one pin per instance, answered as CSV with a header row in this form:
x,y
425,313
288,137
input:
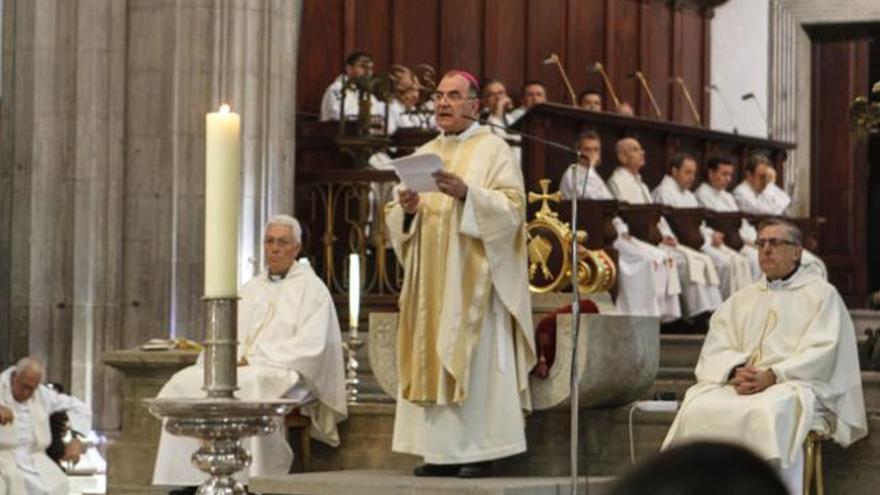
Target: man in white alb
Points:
x,y
25,407
289,346
357,64
648,283
713,195
779,361
699,279
758,194
674,190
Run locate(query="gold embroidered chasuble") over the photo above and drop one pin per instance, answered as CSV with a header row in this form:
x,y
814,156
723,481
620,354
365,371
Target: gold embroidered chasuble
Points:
x,y
450,273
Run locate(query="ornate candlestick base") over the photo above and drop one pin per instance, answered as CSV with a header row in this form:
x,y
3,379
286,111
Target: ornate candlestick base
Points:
x,y
351,345
220,425
219,421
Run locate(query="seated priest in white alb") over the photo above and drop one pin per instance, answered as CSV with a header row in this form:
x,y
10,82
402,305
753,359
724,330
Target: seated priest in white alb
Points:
x,y
648,283
25,407
758,194
699,279
357,64
779,361
733,268
713,195
289,346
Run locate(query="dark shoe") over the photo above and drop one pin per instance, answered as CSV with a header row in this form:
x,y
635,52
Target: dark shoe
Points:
x,y
476,470
437,470
189,490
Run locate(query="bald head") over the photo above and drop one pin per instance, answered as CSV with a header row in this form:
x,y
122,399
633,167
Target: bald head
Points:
x,y
630,154
26,378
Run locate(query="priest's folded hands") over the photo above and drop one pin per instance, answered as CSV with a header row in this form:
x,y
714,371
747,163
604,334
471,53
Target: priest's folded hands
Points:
x,y
748,379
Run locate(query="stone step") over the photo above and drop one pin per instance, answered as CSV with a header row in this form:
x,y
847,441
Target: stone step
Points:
x,y
604,447
395,482
672,382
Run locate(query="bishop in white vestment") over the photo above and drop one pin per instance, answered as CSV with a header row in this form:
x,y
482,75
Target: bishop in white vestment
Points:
x,y
779,361
465,336
699,279
648,283
25,407
289,346
674,190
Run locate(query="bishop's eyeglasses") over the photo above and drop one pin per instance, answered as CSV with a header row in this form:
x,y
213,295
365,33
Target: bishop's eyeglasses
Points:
x,y
452,96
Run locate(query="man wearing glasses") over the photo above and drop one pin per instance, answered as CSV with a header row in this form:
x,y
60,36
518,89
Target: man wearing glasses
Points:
x,y
779,361
465,344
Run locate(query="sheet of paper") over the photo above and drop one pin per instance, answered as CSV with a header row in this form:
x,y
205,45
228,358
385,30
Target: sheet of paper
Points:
x,y
415,171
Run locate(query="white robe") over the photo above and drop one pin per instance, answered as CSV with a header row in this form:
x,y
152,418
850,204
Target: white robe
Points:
x,y
799,328
722,201
734,270
330,102
24,466
289,333
648,283
697,274
768,204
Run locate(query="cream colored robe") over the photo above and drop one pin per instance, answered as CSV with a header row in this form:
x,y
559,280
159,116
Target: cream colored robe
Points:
x,y
699,279
799,328
465,292
647,278
46,478
289,332
734,271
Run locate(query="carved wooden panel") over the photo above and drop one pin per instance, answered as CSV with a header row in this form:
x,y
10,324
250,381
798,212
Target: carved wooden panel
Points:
x,y
839,165
509,39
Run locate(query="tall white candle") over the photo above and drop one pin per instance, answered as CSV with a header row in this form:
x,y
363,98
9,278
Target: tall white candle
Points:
x,y
354,292
222,198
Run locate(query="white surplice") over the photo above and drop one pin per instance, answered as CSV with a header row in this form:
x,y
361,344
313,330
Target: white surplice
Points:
x,y
734,270
24,466
647,278
289,333
799,328
697,274
722,201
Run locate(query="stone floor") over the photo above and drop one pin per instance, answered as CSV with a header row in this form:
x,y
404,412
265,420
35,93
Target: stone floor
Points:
x,y
384,482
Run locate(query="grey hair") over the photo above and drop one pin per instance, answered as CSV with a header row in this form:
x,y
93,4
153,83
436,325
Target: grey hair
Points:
x,y
287,221
791,230
28,364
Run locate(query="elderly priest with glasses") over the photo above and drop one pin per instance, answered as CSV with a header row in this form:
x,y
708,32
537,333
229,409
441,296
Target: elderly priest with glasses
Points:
x,y
779,361
289,346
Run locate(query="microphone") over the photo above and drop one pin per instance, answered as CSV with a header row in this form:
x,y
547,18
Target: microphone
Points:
x,y
644,84
751,96
597,67
712,87
687,96
531,137
554,59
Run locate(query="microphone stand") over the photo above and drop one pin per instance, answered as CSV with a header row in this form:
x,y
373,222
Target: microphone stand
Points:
x,y
647,89
575,304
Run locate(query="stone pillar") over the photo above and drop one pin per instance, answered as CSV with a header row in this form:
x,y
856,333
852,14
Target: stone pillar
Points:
x,y
102,170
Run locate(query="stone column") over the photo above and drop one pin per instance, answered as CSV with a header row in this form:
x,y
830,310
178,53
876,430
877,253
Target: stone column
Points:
x,y
102,170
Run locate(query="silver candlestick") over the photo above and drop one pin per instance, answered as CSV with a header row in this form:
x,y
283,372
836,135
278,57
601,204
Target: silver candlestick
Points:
x,y
220,421
351,345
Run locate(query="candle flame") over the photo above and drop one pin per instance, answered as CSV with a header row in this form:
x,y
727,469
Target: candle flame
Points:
x,y
224,108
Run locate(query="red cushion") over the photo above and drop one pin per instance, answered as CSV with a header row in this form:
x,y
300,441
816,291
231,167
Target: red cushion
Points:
x,y
545,336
